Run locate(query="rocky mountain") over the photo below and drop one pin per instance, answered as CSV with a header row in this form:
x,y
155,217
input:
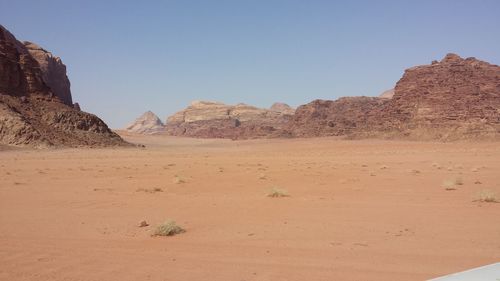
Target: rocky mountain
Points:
x,y
206,119
341,117
31,114
452,99
147,123
53,72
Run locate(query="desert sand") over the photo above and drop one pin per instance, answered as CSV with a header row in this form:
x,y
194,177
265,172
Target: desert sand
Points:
x,y
357,210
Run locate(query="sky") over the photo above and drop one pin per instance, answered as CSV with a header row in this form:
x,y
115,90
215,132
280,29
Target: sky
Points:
x,y
126,57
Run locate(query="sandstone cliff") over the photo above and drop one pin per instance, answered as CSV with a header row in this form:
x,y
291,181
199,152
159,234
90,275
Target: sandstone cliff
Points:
x,y
31,114
217,120
147,123
333,118
53,72
452,99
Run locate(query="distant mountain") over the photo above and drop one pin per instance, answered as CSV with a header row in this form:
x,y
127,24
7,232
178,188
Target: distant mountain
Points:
x,y
206,119
282,108
147,123
452,99
387,94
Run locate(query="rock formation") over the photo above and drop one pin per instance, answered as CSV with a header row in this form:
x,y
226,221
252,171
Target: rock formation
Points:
x,y
332,118
452,99
53,72
282,108
31,114
448,100
217,120
147,123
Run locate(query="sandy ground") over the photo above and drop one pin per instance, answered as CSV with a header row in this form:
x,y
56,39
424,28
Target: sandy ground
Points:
x,y
358,210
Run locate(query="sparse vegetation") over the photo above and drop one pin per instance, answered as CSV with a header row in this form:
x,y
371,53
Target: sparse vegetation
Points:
x,y
487,196
453,183
168,228
449,185
178,180
277,192
149,190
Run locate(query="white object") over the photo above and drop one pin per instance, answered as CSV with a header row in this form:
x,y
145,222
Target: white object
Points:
x,y
484,273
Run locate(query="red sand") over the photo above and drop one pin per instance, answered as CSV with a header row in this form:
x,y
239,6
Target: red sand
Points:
x,y
358,210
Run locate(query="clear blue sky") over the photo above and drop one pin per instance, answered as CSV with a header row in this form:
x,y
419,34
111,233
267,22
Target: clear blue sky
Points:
x,y
126,57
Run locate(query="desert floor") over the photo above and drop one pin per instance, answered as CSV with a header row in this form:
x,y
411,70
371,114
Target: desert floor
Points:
x,y
357,210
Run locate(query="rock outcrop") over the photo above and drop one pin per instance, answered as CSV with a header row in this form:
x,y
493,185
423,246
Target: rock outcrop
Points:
x,y
53,72
148,123
452,99
205,119
282,108
341,117
32,115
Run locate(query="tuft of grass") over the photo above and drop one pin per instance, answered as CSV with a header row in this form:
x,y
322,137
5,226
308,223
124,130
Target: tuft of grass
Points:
x,y
449,185
452,184
178,180
168,228
149,190
277,192
487,196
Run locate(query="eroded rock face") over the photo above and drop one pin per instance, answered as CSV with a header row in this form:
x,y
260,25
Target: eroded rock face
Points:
x,y
32,115
147,123
53,72
452,99
333,118
20,73
217,120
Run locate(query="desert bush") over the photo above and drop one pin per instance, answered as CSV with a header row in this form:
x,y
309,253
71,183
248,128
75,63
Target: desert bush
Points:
x,y
149,190
452,184
487,196
277,192
177,179
449,185
168,228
